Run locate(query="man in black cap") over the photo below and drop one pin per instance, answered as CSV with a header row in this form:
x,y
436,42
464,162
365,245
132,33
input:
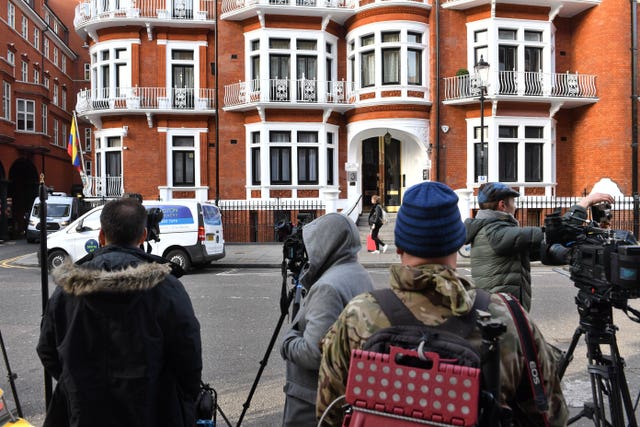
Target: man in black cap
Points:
x,y
501,250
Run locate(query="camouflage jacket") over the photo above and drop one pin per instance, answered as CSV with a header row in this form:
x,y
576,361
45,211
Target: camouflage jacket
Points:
x,y
433,293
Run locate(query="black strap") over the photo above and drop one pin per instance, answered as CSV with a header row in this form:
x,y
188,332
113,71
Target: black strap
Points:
x,y
399,314
530,354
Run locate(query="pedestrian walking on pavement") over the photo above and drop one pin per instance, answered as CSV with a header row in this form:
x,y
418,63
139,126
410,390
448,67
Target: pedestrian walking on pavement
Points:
x,y
376,221
332,278
120,335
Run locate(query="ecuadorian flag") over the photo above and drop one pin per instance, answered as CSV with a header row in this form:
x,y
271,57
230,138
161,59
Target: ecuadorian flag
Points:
x,y
72,147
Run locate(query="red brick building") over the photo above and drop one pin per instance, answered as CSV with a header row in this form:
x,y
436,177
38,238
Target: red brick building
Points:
x,y
333,100
41,67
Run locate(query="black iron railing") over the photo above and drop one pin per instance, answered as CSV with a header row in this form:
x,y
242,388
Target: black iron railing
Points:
x,y
256,220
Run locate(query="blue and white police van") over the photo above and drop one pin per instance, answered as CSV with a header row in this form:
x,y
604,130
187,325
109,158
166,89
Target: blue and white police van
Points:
x,y
191,234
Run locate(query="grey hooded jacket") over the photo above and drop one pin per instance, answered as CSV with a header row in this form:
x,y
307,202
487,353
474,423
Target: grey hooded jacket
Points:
x,y
332,278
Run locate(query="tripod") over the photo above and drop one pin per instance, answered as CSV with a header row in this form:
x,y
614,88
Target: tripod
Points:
x,y
606,371
294,295
11,376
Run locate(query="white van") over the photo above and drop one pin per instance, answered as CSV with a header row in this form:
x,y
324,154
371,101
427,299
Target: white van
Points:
x,y
61,210
190,235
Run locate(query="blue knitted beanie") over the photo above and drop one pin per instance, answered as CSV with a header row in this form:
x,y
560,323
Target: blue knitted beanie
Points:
x,y
428,224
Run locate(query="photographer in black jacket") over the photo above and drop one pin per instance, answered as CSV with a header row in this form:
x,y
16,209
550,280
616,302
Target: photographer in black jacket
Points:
x,y
119,334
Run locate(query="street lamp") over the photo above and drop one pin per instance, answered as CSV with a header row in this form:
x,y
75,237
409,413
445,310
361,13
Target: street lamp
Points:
x,y
482,72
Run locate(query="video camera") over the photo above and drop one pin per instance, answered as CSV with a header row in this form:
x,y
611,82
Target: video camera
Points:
x,y
601,260
154,218
294,253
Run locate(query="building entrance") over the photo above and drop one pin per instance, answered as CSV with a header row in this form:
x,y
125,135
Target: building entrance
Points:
x,y
381,171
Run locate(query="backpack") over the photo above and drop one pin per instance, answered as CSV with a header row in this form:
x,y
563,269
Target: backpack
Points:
x,y
385,215
410,374
440,359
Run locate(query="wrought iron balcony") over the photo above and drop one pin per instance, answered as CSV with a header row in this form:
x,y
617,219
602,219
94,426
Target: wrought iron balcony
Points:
x,y
524,85
163,11
103,186
287,91
146,99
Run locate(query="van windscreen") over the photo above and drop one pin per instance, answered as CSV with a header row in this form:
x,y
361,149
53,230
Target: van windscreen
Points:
x,y
54,210
211,215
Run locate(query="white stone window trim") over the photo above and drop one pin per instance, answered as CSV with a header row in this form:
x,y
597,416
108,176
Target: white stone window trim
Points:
x,y
492,140
265,170
377,29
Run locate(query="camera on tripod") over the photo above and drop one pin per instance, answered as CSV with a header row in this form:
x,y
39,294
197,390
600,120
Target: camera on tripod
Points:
x,y
154,218
294,253
603,260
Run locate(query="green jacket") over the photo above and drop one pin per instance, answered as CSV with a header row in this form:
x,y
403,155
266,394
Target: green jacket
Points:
x,y
501,251
433,293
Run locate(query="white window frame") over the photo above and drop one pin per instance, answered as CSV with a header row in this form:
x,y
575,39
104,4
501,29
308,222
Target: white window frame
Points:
x,y
24,72
87,139
63,102
264,145
45,43
64,134
45,119
97,64
56,55
11,15
36,38
195,134
6,100
25,28
492,45
102,148
87,71
11,57
56,96
36,75
22,111
264,53
356,49
55,140
492,125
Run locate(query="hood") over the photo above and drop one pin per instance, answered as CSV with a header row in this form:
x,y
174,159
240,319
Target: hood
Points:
x,y
484,217
331,239
441,284
81,280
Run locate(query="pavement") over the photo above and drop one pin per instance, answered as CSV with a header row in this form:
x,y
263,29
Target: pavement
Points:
x,y
266,255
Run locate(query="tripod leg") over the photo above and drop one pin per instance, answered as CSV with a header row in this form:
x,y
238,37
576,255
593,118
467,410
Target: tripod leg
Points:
x,y
265,359
567,357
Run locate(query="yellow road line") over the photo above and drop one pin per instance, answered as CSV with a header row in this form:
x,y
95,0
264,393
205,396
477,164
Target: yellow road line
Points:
x,y
7,263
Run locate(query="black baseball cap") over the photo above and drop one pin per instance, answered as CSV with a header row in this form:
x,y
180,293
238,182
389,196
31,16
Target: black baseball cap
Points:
x,y
495,191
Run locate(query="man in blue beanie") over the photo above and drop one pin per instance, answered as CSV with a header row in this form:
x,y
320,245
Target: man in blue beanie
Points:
x,y
428,233
501,250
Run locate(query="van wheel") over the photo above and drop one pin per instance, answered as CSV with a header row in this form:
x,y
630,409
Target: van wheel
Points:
x,y
179,257
56,258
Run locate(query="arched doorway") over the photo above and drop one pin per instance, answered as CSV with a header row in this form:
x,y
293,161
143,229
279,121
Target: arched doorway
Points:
x,y
381,173
22,190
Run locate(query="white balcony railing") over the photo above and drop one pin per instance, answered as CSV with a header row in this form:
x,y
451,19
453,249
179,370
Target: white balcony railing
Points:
x,y
303,91
103,186
232,5
521,83
146,98
95,10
